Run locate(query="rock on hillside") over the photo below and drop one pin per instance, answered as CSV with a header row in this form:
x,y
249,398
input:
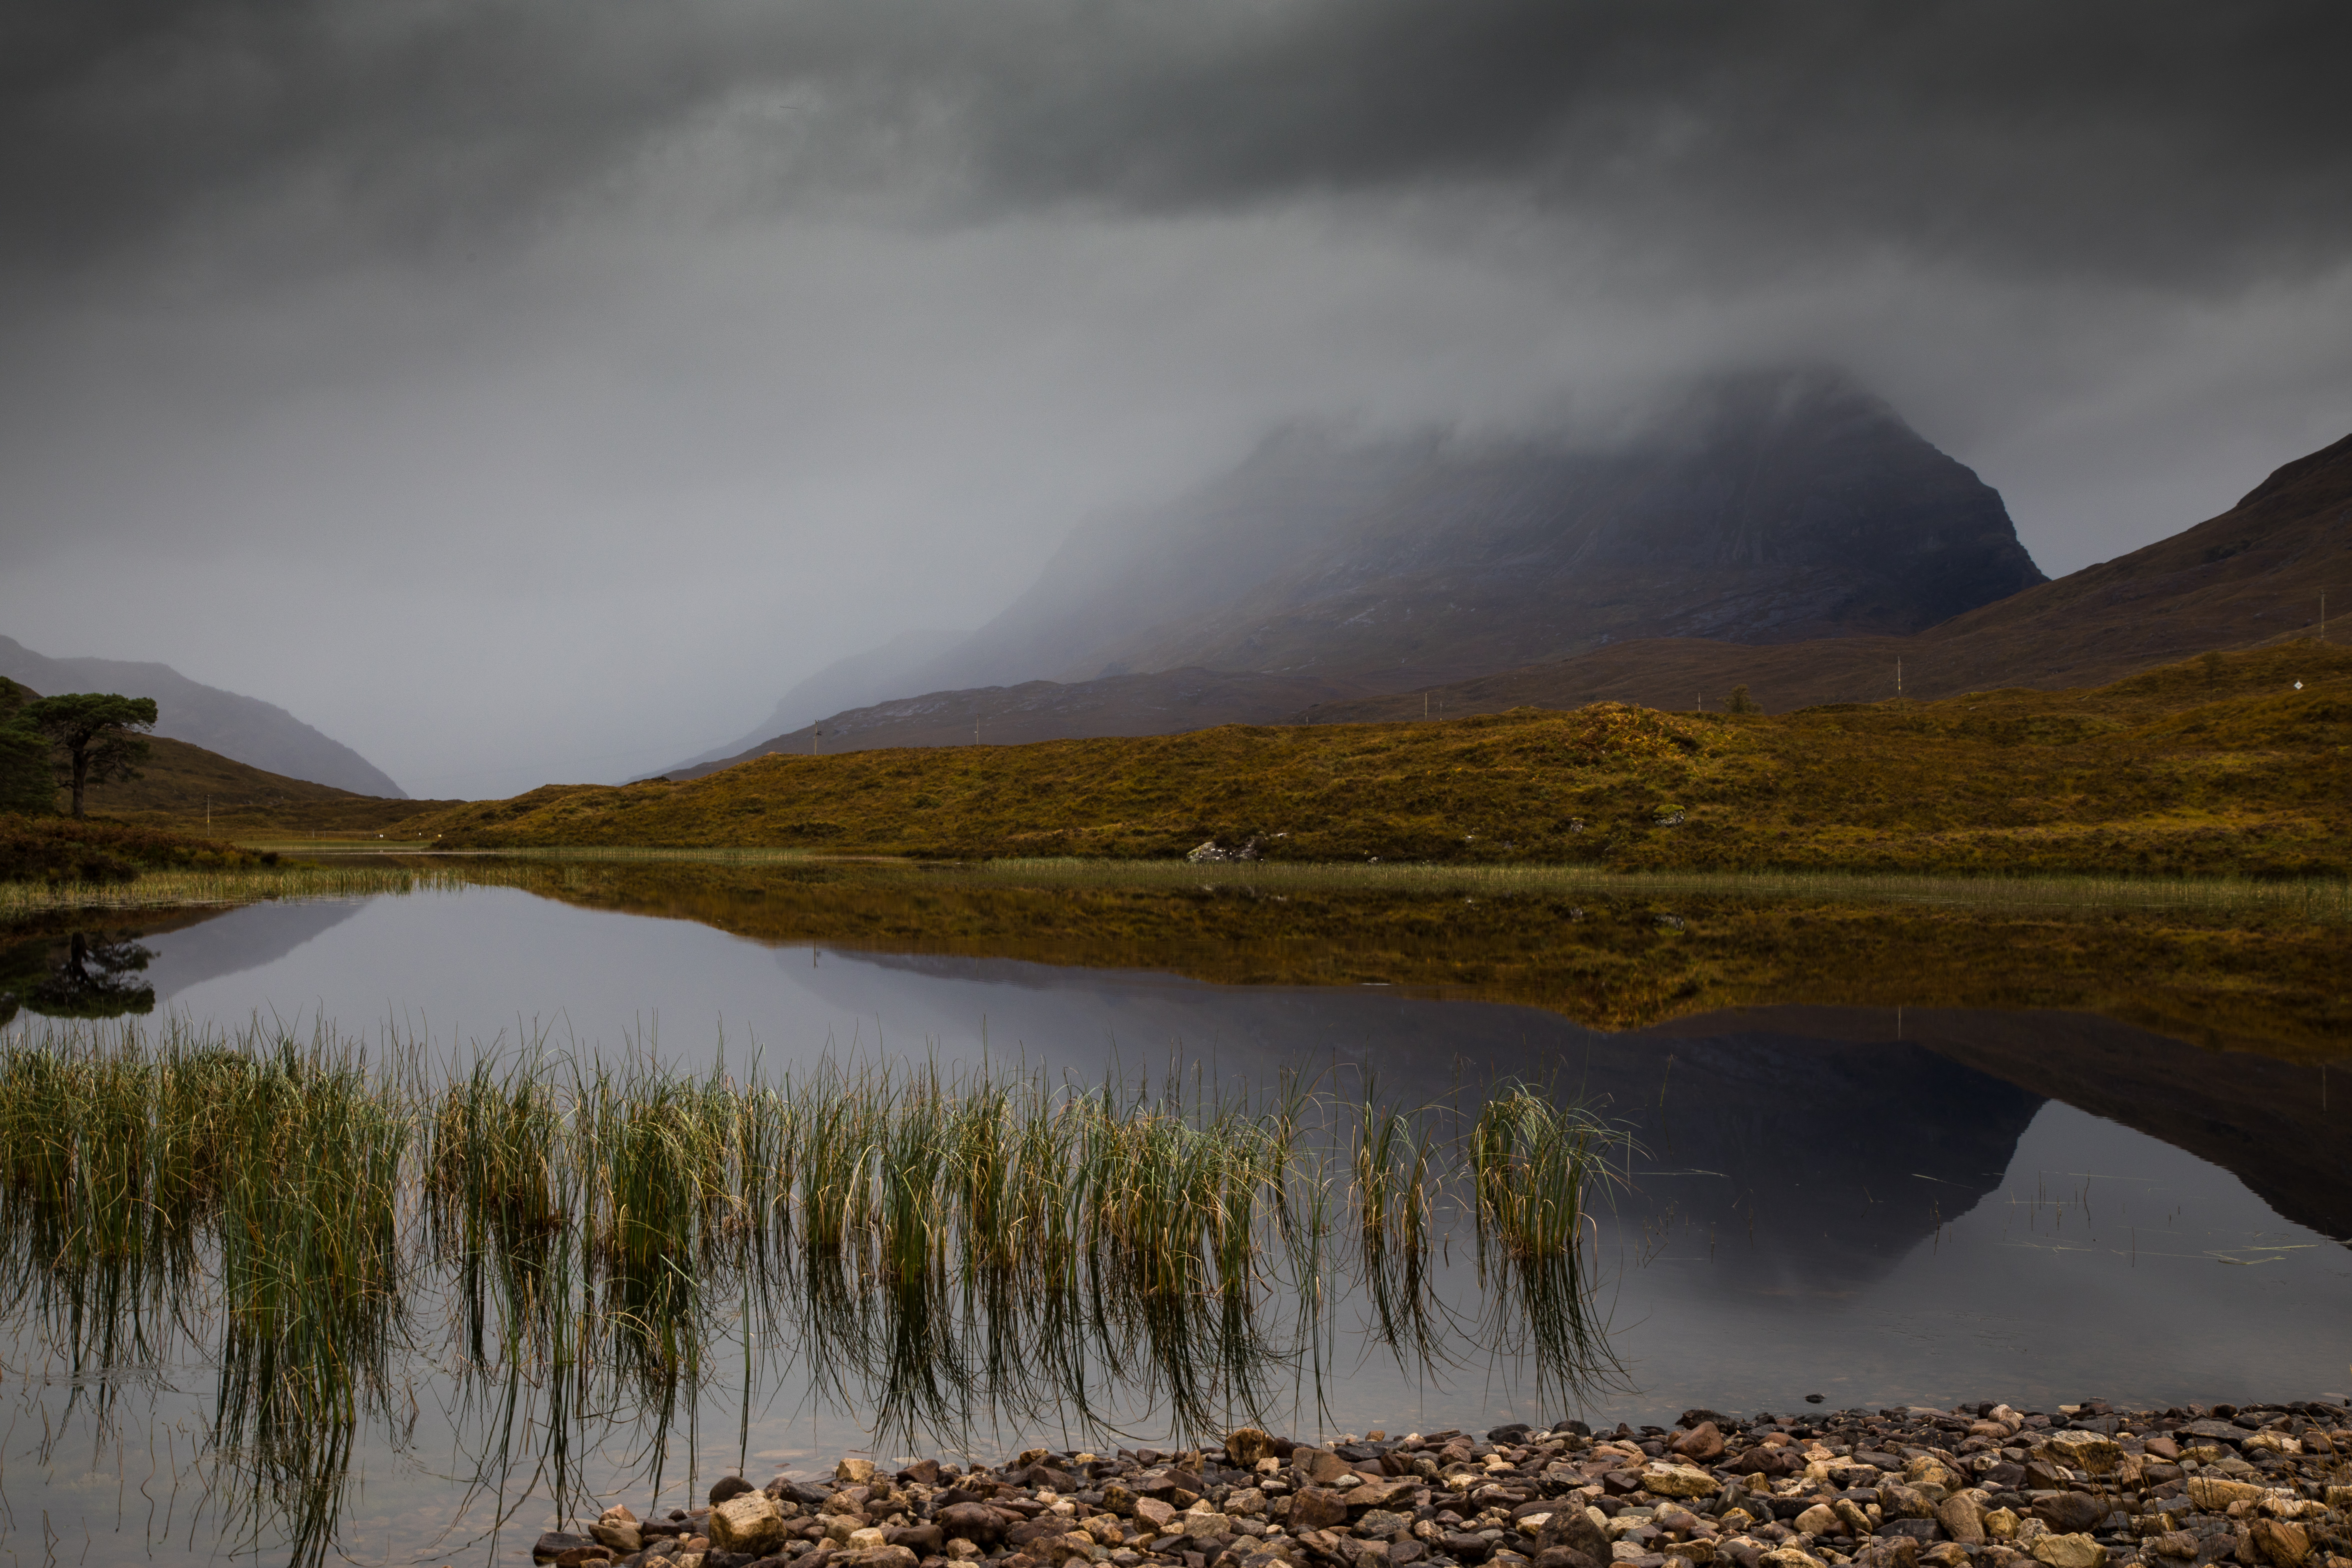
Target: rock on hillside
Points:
x,y
244,729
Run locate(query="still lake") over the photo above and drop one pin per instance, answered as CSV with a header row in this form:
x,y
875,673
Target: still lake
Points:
x,y
1876,1206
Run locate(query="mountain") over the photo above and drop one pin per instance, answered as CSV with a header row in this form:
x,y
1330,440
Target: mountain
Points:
x,y
857,681
1754,508
245,729
2252,576
1759,507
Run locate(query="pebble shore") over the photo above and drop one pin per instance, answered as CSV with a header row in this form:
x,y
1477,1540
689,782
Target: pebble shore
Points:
x,y
2081,1487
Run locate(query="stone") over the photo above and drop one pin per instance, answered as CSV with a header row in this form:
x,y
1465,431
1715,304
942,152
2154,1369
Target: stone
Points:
x,y
750,1522
2284,1544
1945,1554
866,1539
726,1487
1857,1523
1560,1557
1961,1519
1245,1446
2069,1551
581,1556
1318,1507
622,1537
1321,1467
2070,1514
2212,1494
1904,1502
1928,1470
2173,1543
1198,1526
2092,1452
556,1542
874,1557
925,1539
1702,1445
2001,1524
853,1471
1157,1514
1820,1519
1578,1530
1380,1524
1677,1480
1463,1546
1789,1557
974,1521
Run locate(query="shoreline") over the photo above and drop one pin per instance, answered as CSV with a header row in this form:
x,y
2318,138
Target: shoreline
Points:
x,y
2087,1486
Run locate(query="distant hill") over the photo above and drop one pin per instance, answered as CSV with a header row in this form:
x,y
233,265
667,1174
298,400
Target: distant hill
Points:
x,y
857,681
2250,576
1754,509
245,729
1168,704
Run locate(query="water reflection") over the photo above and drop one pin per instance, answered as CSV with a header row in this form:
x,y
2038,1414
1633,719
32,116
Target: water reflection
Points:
x,y
80,974
1902,1200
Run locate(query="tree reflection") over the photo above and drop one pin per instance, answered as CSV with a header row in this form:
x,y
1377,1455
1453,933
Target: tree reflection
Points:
x,y
83,974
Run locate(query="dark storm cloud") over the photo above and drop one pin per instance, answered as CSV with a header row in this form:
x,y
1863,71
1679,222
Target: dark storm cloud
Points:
x,y
2172,144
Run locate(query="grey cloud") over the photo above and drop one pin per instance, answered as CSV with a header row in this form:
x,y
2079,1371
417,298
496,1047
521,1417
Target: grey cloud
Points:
x,y
2177,145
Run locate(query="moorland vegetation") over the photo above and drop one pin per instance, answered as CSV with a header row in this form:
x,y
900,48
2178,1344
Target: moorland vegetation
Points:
x,y
2226,765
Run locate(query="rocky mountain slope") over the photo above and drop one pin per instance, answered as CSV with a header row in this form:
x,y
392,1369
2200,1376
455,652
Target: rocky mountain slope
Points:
x,y
1754,509
244,729
1765,508
2252,576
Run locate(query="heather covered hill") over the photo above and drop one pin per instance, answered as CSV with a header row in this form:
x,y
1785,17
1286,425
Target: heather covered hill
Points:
x,y
242,729
2251,575
2207,767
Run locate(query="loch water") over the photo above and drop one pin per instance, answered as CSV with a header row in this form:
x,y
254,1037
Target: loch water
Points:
x,y
1863,1205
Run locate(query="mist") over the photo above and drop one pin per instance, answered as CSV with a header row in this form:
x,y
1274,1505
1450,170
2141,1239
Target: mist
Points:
x,y
532,392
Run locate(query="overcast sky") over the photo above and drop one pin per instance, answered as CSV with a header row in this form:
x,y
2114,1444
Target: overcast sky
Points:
x,y
534,389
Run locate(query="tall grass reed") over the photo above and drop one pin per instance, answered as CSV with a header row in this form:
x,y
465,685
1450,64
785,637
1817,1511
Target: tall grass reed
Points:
x,y
935,1248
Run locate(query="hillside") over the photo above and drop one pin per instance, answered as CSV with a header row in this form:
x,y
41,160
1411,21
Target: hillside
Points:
x,y
241,729
2207,767
1756,509
2251,575
1164,704
184,788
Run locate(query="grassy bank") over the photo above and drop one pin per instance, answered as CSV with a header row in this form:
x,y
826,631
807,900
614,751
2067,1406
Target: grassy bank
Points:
x,y
248,884
2213,768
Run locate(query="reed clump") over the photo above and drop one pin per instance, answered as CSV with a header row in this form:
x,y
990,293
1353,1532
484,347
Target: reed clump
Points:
x,y
935,1247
